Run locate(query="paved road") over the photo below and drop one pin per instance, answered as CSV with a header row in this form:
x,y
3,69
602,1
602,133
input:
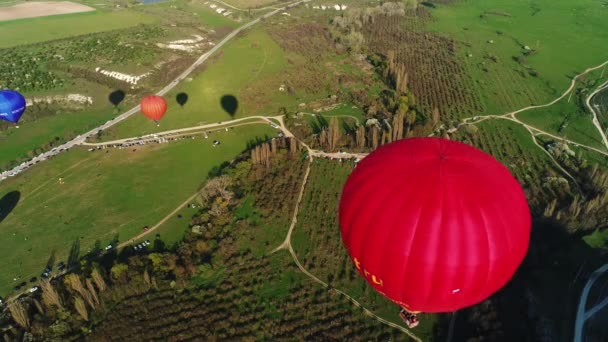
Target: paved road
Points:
x,y
81,138
581,314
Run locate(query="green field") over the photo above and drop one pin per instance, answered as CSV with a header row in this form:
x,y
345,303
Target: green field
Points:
x,y
36,30
579,127
247,64
186,12
104,194
18,142
250,3
567,37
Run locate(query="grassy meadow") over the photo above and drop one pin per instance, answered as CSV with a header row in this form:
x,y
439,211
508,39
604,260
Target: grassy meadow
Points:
x,y
565,36
244,65
42,29
118,193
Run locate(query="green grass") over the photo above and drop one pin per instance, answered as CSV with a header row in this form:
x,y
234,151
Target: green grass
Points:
x,y
241,68
36,30
104,194
174,229
345,109
17,142
597,239
185,11
579,126
250,3
567,36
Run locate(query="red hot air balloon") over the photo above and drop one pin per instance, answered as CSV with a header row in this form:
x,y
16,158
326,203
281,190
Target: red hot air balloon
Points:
x,y
154,107
434,225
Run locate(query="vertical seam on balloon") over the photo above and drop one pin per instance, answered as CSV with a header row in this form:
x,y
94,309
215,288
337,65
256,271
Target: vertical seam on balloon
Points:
x,y
507,239
373,187
440,228
405,200
412,241
375,215
489,264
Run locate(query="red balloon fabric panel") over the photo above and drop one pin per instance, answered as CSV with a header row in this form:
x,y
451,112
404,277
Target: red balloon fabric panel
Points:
x,y
154,107
434,225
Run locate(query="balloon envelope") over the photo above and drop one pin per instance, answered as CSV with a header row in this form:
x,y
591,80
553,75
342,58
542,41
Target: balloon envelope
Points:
x,y
434,225
12,105
154,107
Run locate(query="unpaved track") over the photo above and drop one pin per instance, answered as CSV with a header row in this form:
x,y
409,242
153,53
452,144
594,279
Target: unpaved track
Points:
x,y
160,223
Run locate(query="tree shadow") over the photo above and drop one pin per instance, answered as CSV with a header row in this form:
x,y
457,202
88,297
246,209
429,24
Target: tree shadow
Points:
x,y
159,245
7,203
230,104
116,97
181,99
51,261
74,256
318,123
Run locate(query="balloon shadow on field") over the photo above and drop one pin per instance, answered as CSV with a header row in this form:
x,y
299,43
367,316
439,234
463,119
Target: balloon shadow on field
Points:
x,y
558,264
230,104
7,203
181,99
116,97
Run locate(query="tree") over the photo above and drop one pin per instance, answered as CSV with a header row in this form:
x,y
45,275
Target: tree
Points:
x,y
19,314
334,133
98,279
293,146
119,271
360,137
50,296
74,255
81,308
435,117
374,137
74,282
323,138
92,291
411,4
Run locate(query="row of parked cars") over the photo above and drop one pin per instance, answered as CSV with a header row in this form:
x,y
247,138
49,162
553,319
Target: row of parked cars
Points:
x,y
141,245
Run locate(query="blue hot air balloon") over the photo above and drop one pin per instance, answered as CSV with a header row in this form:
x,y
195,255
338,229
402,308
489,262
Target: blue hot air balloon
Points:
x,y
12,105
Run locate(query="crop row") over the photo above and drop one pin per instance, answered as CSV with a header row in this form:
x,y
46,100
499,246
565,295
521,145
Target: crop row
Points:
x,y
435,74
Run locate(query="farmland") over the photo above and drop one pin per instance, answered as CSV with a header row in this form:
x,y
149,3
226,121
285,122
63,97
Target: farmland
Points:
x,y
492,39
40,9
120,192
36,30
319,247
434,72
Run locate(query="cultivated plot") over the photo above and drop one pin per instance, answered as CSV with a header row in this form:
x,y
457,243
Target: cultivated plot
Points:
x,y
41,9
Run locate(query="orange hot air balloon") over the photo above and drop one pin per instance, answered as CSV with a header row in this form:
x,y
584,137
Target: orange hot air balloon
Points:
x,y
154,107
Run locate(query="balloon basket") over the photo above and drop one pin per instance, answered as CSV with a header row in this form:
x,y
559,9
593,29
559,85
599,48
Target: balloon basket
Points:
x,y
410,319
